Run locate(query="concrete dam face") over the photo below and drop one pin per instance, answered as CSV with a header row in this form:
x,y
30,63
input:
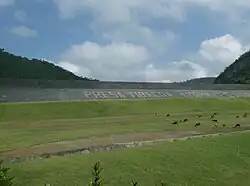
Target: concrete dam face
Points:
x,y
50,94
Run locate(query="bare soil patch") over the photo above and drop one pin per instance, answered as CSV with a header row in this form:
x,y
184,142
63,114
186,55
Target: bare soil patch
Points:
x,y
55,147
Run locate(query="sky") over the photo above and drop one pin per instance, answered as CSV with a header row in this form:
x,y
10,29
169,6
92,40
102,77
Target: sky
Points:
x,y
129,40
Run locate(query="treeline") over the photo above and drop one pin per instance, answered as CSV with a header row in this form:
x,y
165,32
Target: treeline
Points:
x,y
236,73
18,67
203,80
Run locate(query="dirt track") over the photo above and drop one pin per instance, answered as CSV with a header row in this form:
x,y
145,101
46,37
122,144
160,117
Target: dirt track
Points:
x,y
87,145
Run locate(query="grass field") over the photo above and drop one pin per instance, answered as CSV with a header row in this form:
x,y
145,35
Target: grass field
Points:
x,y
217,161
24,125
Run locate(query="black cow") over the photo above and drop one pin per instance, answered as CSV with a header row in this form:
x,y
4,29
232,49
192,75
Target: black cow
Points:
x,y
236,125
197,124
175,122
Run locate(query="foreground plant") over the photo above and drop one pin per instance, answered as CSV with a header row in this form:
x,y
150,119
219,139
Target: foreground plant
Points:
x,y
5,180
96,177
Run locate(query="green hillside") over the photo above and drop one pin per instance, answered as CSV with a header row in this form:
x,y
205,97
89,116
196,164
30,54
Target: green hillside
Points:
x,y
197,81
236,73
17,67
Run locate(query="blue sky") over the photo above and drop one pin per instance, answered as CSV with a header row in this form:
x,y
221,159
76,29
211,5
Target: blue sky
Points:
x,y
139,40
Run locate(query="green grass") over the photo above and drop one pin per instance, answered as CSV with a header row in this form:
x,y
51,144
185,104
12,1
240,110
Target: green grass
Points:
x,y
90,109
214,161
34,123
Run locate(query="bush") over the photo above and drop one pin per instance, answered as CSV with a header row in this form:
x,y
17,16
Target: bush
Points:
x,y
96,177
5,180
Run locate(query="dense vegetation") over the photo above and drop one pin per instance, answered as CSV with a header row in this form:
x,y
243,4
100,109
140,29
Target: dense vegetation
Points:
x,y
204,80
236,73
17,67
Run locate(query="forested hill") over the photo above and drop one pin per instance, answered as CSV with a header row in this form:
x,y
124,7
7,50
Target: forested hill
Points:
x,y
236,73
17,67
204,80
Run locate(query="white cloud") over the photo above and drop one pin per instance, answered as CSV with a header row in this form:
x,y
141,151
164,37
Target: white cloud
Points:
x,y
23,31
224,49
133,48
157,40
125,11
125,61
20,15
69,66
175,72
119,25
124,21
227,7
6,2
113,55
116,61
212,57
217,53
78,70
122,10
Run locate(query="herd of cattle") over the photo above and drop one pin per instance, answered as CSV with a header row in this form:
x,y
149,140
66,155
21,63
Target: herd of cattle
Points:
x,y
212,118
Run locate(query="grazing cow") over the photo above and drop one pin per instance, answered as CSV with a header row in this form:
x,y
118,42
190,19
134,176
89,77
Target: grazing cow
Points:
x,y
223,125
185,120
244,115
156,114
236,125
211,116
215,120
237,116
167,114
215,125
134,183
199,115
197,124
215,113
175,122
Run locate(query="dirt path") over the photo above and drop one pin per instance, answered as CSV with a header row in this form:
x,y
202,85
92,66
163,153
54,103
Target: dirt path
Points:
x,y
51,148
101,143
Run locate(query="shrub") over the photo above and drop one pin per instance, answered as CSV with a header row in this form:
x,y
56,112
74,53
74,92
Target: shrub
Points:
x,y
96,177
5,180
